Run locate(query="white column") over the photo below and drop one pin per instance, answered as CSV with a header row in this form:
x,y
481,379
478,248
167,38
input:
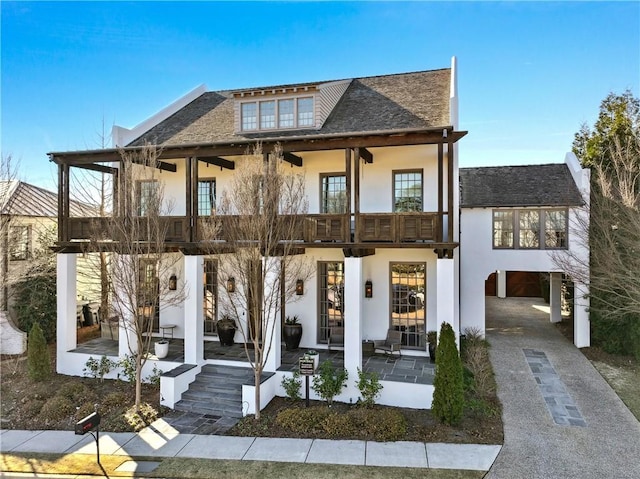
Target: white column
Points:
x,y
555,297
353,307
272,331
501,278
445,287
66,334
581,325
193,312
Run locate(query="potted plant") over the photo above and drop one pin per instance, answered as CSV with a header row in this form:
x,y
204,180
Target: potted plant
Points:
x,y
432,340
161,348
226,330
292,333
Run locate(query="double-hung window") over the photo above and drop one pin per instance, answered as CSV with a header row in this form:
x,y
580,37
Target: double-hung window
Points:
x,y
407,191
206,197
333,197
531,228
20,243
282,113
147,196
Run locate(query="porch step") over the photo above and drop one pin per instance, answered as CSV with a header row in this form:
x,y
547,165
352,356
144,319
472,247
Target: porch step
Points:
x,y
217,390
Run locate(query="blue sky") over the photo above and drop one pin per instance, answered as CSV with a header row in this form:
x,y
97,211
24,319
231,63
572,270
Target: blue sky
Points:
x,y
530,73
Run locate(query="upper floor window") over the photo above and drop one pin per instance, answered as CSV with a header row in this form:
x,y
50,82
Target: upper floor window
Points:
x,y
272,114
206,197
249,116
147,197
407,191
530,228
333,193
20,243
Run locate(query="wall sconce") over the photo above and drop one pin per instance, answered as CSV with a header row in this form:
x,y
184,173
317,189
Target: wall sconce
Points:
x,y
368,289
173,282
231,285
299,287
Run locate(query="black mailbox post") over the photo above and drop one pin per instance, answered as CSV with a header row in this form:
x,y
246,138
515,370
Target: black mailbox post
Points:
x,y
90,424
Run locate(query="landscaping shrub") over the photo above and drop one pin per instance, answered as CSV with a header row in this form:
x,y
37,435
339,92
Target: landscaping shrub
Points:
x,y
303,420
292,385
97,369
448,395
329,381
76,392
369,386
476,360
140,419
56,408
38,359
111,401
33,408
36,303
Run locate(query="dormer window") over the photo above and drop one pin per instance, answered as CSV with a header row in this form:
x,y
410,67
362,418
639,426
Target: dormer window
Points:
x,y
277,114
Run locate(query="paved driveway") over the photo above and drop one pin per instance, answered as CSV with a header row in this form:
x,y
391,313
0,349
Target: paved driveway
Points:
x,y
561,419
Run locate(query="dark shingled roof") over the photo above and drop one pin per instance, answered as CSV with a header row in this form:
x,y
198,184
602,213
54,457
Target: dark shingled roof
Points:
x,y
532,185
371,104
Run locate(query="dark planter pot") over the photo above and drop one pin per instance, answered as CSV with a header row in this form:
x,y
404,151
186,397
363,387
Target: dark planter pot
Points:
x,y
432,352
292,335
226,336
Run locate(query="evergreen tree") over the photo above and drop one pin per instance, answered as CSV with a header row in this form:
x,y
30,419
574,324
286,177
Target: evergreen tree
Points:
x,y
448,395
38,359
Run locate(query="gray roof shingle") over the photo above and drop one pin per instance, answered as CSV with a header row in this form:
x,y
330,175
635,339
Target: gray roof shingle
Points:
x,y
531,185
370,104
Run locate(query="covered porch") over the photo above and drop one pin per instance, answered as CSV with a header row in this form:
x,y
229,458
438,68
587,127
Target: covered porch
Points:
x,y
406,369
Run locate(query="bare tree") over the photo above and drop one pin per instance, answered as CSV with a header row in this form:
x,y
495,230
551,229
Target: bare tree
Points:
x,y
141,264
261,215
613,234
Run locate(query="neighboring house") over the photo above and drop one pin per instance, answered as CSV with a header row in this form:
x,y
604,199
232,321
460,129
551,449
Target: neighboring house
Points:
x,y
381,166
28,214
517,218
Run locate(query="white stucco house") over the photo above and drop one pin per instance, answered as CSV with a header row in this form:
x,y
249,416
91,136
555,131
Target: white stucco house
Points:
x,y
385,228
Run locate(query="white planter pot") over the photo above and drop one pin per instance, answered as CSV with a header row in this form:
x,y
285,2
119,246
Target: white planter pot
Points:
x,y
161,349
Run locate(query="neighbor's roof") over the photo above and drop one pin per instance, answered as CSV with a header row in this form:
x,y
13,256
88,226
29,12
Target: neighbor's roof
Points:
x,y
18,198
532,185
369,104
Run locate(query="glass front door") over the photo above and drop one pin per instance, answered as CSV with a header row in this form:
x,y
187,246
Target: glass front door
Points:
x,y
407,302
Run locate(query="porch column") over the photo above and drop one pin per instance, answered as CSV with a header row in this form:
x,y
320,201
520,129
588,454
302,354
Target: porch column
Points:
x,y
445,288
501,278
272,277
66,334
193,311
581,325
555,297
353,293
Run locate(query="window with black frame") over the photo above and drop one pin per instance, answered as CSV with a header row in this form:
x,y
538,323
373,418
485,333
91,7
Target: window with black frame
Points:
x,y
330,298
210,299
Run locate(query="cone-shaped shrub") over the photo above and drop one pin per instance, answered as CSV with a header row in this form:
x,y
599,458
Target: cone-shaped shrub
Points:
x,y
448,395
38,359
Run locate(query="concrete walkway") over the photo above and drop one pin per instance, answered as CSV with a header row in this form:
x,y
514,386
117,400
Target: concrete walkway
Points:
x,y
160,440
561,418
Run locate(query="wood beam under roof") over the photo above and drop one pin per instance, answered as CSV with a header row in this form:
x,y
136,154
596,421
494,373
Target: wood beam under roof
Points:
x,y
366,155
217,161
164,166
310,143
295,160
100,168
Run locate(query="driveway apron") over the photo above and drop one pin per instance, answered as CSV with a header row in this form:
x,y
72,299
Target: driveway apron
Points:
x,y
561,418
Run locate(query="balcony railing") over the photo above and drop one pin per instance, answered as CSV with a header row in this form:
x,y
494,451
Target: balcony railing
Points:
x,y
315,228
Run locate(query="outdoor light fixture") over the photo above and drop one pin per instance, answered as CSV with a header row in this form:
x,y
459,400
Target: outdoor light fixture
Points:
x,y
368,289
173,282
299,287
231,285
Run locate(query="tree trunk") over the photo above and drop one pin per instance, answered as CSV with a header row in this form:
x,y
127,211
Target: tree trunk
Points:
x,y
138,381
256,380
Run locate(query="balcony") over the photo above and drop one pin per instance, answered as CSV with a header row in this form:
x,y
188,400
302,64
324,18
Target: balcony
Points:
x,y
317,230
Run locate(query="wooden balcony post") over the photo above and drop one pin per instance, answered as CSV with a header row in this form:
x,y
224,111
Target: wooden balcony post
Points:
x,y
450,191
61,219
347,160
356,198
